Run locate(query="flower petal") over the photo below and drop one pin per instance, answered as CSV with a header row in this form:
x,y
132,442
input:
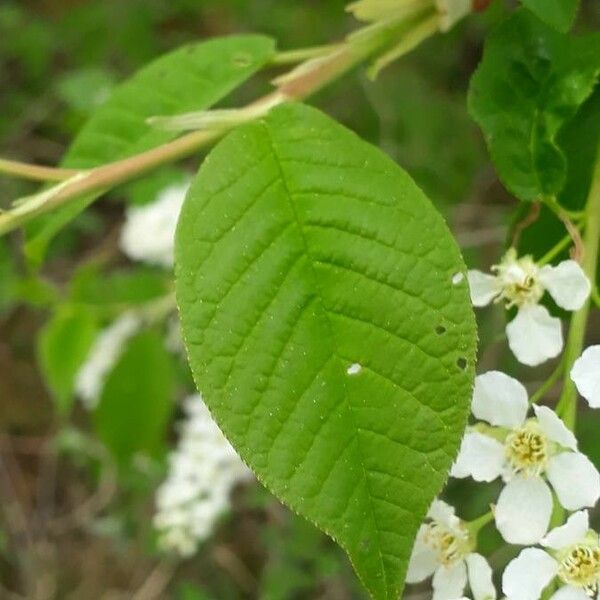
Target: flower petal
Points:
x,y
423,560
567,284
575,480
586,375
574,530
534,336
499,399
526,576
442,512
480,578
554,428
483,287
449,582
523,510
568,592
481,457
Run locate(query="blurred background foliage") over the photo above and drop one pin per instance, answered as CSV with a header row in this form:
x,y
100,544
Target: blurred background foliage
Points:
x,y
76,487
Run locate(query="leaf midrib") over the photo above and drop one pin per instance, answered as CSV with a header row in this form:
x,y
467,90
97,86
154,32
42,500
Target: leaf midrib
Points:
x,y
332,337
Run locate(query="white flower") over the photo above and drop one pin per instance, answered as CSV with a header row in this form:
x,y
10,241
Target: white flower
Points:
x,y
148,234
202,472
525,453
572,556
103,356
534,336
444,548
586,375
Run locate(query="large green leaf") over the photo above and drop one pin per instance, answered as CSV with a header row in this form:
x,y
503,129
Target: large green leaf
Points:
x,y
301,251
530,83
192,77
559,14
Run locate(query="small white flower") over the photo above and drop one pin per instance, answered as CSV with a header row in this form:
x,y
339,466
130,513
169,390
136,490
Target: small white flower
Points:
x,y
444,548
534,336
586,375
148,234
103,356
527,453
572,556
202,472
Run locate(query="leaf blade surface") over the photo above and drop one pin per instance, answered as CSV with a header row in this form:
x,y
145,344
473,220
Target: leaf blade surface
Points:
x,y
301,251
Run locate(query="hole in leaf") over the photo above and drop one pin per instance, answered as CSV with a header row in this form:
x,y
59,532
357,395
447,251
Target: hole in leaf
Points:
x,y
462,363
457,278
354,369
440,330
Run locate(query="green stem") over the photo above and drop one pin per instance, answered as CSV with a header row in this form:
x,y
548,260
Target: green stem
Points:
x,y
596,296
478,524
291,57
304,80
567,405
549,383
34,172
555,251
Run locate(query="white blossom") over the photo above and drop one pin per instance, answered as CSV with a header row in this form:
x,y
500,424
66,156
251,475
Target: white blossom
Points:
x,y
102,357
444,548
534,336
528,453
571,557
148,234
586,375
202,472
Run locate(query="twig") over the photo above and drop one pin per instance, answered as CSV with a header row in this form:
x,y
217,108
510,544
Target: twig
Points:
x,y
34,172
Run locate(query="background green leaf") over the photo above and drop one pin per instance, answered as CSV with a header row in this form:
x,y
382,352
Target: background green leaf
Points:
x,y
63,346
579,141
137,399
559,14
530,83
300,251
193,77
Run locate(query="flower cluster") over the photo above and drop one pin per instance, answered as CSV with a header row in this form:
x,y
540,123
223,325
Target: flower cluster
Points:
x,y
148,234
527,447
202,472
103,356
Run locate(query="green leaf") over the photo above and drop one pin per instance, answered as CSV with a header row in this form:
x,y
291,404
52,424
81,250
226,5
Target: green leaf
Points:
x,y
530,83
63,346
302,250
579,142
119,289
8,277
559,14
137,399
193,77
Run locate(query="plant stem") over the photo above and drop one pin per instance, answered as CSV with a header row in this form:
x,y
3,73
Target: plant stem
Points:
x,y
567,405
290,57
476,525
553,252
304,80
549,383
34,172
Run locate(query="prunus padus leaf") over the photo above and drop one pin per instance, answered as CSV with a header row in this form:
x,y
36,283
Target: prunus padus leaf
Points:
x,y
137,399
328,325
190,78
63,346
530,83
559,14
